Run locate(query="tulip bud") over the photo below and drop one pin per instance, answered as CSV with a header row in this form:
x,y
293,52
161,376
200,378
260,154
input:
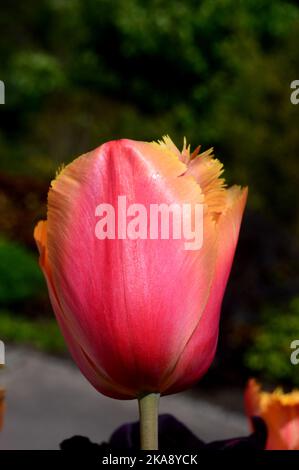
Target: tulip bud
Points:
x,y
139,309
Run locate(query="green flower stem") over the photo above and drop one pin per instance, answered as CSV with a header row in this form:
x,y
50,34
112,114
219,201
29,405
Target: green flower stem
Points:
x,y
148,413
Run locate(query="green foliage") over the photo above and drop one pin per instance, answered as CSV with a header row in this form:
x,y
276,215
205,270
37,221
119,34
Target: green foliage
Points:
x,y
270,352
34,75
43,335
20,276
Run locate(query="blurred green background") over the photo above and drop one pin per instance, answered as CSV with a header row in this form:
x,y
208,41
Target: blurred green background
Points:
x,y
81,72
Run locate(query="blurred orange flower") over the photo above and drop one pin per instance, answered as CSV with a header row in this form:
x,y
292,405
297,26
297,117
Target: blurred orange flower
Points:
x,y
279,410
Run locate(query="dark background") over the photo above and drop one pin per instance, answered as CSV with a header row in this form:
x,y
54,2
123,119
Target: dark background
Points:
x,y
81,72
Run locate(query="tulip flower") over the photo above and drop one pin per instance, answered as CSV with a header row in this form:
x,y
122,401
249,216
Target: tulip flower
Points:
x,y
140,315
279,410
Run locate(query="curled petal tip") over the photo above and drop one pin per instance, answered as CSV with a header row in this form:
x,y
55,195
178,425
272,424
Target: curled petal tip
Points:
x,y
40,235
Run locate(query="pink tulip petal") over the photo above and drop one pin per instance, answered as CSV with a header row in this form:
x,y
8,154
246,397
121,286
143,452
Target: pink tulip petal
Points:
x,y
132,303
199,352
92,372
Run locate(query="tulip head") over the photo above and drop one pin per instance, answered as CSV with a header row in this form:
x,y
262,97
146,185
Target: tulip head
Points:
x,y
139,314
280,412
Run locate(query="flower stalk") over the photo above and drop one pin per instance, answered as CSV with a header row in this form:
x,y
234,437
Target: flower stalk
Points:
x,y
148,415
